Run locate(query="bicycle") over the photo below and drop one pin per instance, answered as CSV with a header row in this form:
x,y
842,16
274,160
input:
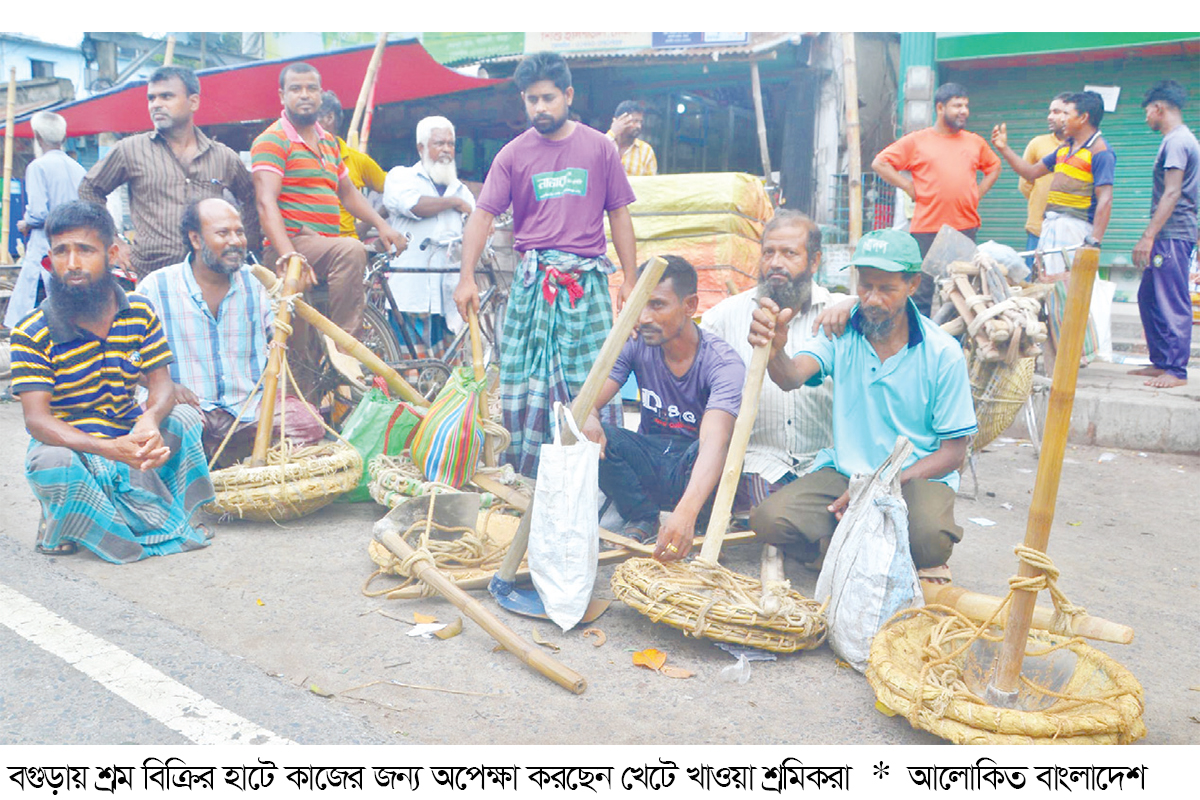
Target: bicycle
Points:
x,y
392,335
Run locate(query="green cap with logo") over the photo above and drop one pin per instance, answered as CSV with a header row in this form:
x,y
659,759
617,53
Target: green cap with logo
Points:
x,y
889,250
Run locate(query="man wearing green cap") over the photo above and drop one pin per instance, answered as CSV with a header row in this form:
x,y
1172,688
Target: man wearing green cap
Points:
x,y
894,373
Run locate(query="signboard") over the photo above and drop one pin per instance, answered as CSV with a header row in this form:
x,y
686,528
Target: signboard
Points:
x,y
583,42
1109,93
454,48
698,39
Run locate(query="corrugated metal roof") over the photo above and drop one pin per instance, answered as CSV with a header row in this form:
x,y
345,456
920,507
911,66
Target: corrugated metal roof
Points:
x,y
758,43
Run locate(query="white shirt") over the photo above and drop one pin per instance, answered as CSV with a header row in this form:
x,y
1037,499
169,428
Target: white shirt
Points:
x,y
433,293
791,426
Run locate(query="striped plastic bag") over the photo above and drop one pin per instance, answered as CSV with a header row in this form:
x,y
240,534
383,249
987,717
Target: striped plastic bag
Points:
x,y
448,442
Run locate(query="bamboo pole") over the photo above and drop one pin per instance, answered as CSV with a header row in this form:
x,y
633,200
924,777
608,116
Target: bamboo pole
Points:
x,y
368,82
1045,489
981,607
761,121
283,319
586,399
718,521
368,117
425,571
169,54
853,147
6,207
348,343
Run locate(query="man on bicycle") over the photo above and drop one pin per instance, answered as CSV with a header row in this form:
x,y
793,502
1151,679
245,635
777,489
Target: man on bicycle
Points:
x,y
427,201
560,178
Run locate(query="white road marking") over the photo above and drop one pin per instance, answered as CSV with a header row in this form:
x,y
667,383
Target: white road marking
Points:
x,y
179,708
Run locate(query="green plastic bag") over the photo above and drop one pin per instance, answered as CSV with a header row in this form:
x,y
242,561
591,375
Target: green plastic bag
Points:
x,y
367,428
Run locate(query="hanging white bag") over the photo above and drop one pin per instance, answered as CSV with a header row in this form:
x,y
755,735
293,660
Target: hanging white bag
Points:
x,y
868,574
564,533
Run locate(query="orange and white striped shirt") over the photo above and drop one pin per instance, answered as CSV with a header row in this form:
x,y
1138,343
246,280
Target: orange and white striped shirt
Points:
x,y
638,159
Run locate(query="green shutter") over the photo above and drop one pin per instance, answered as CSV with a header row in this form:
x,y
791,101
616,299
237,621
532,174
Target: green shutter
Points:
x,y
1019,96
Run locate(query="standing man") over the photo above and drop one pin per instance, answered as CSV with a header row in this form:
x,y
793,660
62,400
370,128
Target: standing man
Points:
x,y
691,385
894,373
1037,192
791,427
1166,248
428,201
560,177
364,172
168,168
1079,204
121,481
216,316
299,179
943,160
637,156
51,180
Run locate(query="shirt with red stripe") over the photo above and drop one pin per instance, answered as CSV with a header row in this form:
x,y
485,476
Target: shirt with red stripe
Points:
x,y
308,196
1077,171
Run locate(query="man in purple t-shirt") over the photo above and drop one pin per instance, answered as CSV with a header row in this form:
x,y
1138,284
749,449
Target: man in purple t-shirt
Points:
x,y
691,385
560,177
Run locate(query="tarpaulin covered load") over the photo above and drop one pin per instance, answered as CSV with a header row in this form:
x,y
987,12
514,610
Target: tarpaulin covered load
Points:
x,y
714,220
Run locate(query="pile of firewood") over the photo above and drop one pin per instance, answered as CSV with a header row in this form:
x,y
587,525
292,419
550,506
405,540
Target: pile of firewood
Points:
x,y
1000,318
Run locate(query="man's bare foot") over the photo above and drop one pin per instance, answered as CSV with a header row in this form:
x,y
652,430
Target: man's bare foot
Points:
x,y
1166,381
1149,372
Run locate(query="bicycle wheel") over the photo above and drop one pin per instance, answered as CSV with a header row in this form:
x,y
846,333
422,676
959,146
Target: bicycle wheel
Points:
x,y
378,336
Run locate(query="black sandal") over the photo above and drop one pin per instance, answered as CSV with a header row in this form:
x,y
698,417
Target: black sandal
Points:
x,y
66,548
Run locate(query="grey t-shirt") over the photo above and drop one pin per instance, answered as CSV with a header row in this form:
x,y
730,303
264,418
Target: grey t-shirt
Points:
x,y
675,405
1178,150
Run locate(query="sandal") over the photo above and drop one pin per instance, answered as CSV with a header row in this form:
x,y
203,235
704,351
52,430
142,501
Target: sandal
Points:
x,y
642,531
65,548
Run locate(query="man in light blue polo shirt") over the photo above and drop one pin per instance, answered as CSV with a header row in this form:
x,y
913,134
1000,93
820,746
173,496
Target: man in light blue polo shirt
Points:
x,y
894,373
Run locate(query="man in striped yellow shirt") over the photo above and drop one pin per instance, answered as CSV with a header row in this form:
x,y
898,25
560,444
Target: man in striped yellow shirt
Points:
x,y
637,156
364,172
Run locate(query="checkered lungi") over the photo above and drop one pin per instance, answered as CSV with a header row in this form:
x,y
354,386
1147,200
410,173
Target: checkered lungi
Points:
x,y
553,331
123,514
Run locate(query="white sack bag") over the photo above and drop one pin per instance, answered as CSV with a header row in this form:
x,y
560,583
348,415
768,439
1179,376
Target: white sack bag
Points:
x,y
868,574
564,532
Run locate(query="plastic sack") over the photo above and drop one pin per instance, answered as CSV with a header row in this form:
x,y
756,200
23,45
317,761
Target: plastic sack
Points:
x,y
1101,309
1018,270
448,442
868,573
303,424
564,541
367,429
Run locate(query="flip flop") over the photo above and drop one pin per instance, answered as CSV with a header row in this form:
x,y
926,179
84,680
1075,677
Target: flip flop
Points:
x,y
67,548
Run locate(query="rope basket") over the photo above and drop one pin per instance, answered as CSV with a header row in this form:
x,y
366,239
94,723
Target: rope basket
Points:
x,y
922,661
999,390
917,666
708,600
293,482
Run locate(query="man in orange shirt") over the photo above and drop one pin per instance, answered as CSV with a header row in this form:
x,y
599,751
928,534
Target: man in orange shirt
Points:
x,y
943,160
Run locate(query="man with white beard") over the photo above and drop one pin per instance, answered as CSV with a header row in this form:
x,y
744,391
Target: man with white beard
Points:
x,y
428,201
51,180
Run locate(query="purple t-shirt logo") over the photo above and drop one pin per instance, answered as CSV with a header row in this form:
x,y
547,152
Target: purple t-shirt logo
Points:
x,y
549,185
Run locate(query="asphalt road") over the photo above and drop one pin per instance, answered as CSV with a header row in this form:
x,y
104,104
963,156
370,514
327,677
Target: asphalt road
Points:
x,y
269,613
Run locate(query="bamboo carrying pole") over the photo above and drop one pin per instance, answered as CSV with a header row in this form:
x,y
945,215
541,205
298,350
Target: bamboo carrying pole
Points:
x,y
283,318
981,607
718,522
586,399
364,92
169,54
6,212
368,117
425,571
761,121
352,346
1045,488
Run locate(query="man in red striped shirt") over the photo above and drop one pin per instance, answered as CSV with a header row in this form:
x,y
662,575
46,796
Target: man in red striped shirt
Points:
x,y
299,179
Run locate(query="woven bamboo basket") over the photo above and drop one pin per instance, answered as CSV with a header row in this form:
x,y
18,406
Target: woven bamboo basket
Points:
x,y
919,661
999,390
713,602
293,482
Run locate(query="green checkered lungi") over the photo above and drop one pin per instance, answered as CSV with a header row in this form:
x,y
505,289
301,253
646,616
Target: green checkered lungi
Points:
x,y
547,349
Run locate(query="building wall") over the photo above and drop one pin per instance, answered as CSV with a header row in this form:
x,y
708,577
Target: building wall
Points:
x,y
17,52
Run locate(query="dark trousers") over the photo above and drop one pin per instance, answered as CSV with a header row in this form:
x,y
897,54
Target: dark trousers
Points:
x,y
924,296
1165,305
796,518
644,474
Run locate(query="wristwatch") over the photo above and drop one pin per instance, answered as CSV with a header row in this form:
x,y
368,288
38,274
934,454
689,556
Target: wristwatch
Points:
x,y
1091,241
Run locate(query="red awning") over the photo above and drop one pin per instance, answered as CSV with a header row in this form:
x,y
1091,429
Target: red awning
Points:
x,y
247,92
